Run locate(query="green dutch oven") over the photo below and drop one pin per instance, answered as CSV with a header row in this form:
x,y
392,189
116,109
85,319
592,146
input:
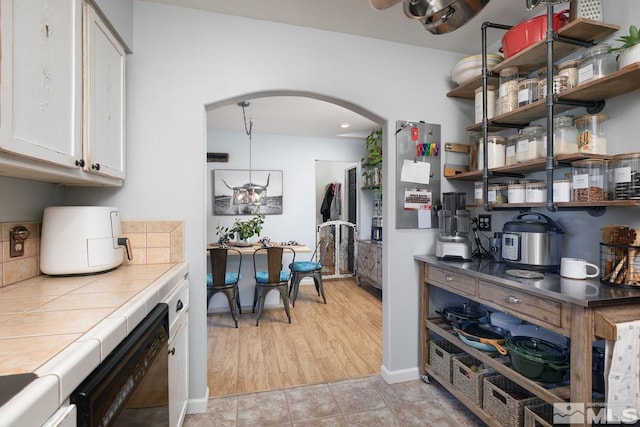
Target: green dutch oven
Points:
x,y
537,359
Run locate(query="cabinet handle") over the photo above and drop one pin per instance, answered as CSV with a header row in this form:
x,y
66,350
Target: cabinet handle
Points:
x,y
95,166
80,163
448,278
513,300
172,352
179,305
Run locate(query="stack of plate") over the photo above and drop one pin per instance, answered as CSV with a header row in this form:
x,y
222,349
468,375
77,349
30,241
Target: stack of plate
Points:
x,y
471,67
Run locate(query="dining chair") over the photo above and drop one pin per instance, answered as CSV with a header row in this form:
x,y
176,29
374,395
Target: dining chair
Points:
x,y
311,268
221,279
270,276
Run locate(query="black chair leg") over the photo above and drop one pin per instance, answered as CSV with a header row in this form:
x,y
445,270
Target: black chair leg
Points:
x,y
285,300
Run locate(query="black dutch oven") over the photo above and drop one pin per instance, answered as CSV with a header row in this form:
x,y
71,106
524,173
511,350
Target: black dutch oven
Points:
x,y
537,359
462,313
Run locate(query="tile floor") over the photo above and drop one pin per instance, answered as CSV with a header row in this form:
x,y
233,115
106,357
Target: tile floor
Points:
x,y
366,402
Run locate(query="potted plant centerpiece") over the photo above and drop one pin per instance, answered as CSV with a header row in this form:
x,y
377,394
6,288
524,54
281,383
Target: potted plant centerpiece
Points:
x,y
629,52
372,164
242,230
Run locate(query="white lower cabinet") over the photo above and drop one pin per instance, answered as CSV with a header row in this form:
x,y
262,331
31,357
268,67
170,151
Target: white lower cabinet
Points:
x,y
66,416
179,372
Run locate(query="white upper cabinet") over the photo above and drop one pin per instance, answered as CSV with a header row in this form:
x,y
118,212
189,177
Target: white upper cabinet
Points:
x,y
62,94
41,113
104,99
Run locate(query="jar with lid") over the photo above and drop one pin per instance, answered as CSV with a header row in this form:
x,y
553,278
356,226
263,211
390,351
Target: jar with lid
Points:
x,y
569,68
542,81
565,135
491,103
497,194
527,91
495,152
626,176
591,134
510,157
596,63
474,141
536,192
560,84
508,90
478,187
517,193
562,190
588,180
531,143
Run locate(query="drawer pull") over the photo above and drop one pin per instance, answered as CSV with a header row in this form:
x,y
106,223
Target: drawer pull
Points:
x,y
513,300
448,278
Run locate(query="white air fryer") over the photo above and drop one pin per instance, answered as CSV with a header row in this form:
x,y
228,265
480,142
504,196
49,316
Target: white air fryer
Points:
x,y
81,240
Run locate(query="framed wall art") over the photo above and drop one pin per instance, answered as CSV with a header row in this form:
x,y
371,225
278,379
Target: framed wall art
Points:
x,y
244,192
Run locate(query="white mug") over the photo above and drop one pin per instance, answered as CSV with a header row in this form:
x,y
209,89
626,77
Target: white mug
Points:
x,y
576,268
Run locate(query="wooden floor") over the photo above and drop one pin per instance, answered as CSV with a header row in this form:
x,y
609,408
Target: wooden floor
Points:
x,y
339,340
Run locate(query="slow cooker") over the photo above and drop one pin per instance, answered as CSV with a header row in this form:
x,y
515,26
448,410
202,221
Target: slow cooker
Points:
x,y
532,241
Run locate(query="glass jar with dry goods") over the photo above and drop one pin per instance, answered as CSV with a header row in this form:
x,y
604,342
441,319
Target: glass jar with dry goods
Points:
x,y
596,63
588,180
508,90
527,91
569,68
531,143
495,152
497,194
474,141
478,188
565,135
510,157
626,176
491,103
591,134
517,193
562,190
536,192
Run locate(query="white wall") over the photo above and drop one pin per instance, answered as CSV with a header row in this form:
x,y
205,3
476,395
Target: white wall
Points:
x,y
186,59
24,200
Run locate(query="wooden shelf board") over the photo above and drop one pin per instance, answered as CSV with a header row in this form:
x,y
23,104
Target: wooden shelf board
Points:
x,y
535,56
622,81
554,395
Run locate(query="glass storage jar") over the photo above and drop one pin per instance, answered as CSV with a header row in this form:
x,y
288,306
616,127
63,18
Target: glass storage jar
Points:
x,y
510,157
562,190
591,134
495,152
517,193
569,68
491,103
497,194
588,180
542,81
527,91
478,187
560,84
536,192
508,90
531,143
474,141
596,62
626,176
565,135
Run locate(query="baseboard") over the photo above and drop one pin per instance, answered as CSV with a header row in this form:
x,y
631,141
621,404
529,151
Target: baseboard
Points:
x,y
199,406
399,376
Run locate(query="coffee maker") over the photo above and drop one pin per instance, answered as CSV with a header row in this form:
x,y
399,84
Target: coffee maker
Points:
x,y
454,220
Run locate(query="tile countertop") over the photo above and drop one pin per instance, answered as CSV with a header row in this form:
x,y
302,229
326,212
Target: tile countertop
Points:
x,y
62,327
586,293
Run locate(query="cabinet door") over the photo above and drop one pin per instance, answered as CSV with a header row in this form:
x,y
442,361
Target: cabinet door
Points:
x,y
42,80
103,139
179,373
377,270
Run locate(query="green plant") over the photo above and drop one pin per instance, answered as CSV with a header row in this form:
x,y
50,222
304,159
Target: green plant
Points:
x,y
243,229
373,144
627,41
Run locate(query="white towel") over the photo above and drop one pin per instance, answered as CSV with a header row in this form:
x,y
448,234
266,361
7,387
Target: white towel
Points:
x,y
623,373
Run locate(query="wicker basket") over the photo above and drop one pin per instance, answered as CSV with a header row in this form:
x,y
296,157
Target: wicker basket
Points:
x,y
467,380
499,400
538,415
440,354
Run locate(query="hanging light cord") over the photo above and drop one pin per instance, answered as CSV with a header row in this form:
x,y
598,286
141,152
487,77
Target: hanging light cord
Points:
x,y
248,131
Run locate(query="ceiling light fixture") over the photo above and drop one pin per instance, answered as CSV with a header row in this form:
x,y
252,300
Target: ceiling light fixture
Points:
x,y
345,125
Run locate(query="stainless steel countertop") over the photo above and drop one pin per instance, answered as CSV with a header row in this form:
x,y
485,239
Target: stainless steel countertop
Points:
x,y
587,293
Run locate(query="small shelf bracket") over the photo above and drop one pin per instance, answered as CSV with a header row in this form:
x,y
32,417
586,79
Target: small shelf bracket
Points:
x,y
592,107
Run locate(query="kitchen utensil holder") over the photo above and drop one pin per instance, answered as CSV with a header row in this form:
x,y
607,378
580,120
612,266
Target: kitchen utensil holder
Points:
x,y
440,355
619,264
468,380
